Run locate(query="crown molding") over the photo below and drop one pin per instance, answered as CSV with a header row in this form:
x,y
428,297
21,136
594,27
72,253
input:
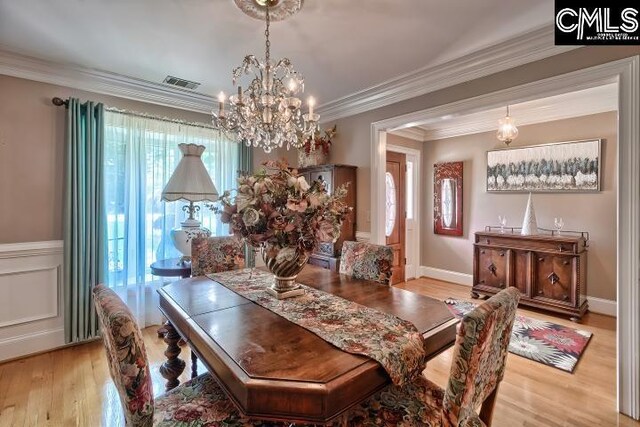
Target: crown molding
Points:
x,y
102,82
526,48
532,46
567,106
414,133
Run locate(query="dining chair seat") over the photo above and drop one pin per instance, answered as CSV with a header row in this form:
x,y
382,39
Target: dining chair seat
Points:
x,y
200,402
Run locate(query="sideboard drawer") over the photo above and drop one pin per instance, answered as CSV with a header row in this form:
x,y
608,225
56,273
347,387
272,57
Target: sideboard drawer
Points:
x,y
557,244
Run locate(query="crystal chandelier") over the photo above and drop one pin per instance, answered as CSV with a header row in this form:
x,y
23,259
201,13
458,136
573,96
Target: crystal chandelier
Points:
x,y
267,113
507,130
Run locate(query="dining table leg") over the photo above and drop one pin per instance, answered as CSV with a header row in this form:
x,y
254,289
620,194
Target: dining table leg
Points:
x,y
173,366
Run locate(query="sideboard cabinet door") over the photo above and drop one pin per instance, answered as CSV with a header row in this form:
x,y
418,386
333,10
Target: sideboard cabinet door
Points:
x,y
554,278
492,269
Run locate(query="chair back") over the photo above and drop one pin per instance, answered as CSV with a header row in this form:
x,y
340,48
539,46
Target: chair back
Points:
x,y
216,254
479,359
126,355
366,261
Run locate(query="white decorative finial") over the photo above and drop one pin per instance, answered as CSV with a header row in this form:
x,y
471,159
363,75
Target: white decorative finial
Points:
x,y
529,225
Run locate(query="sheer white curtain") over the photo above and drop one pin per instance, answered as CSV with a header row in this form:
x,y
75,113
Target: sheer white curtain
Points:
x,y
140,156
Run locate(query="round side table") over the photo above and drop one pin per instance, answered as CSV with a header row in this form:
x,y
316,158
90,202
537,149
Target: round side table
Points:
x,y
172,267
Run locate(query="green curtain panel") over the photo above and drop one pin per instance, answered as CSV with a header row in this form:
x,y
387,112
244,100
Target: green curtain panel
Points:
x,y
84,218
245,165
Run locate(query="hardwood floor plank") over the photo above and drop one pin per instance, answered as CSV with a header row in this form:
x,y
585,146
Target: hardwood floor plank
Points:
x,y
72,386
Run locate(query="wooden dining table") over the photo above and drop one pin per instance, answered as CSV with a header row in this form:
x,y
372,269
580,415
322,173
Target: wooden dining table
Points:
x,y
274,369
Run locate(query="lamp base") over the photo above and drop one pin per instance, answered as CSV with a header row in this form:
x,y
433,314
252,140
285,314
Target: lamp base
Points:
x,y
182,236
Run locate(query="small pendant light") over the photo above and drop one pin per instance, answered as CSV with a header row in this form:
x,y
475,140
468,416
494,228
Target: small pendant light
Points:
x,y
507,130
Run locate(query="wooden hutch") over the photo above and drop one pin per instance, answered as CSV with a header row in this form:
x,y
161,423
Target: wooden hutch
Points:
x,y
550,269
328,254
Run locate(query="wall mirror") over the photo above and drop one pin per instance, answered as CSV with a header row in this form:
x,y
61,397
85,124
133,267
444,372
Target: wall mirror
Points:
x,y
447,198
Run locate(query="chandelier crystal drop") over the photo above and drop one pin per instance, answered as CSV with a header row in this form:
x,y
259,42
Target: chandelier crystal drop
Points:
x,y
268,112
507,130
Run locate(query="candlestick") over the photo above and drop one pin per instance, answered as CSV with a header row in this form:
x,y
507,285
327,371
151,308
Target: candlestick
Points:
x,y
311,103
221,99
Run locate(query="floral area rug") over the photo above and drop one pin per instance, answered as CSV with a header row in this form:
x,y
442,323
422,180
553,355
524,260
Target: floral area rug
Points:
x,y
544,342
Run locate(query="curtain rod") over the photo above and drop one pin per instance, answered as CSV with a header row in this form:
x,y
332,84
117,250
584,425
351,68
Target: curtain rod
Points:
x,y
60,102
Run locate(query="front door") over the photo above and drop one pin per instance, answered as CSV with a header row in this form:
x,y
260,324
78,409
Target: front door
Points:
x,y
395,212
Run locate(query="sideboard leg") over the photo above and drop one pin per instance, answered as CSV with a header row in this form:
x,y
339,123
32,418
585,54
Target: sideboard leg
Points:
x,y
575,319
174,366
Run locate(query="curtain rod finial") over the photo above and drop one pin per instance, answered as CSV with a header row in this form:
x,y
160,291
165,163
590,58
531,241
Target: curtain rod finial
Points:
x,y
59,102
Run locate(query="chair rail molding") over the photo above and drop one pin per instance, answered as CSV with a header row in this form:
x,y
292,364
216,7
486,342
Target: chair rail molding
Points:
x,y
529,47
31,315
626,72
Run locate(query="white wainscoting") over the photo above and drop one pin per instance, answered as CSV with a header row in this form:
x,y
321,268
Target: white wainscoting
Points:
x,y
31,314
596,305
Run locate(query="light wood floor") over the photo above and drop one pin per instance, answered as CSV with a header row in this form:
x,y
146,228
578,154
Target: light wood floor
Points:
x,y
72,387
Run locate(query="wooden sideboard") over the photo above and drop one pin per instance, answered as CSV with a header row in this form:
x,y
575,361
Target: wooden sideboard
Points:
x,y
327,255
549,270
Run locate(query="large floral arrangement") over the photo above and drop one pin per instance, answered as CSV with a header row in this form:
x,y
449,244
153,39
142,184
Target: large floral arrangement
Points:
x,y
277,209
318,142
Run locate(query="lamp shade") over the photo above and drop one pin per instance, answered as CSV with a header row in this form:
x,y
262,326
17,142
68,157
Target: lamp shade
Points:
x,y
190,181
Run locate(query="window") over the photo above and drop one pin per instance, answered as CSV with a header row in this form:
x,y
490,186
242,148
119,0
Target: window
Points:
x,y
140,156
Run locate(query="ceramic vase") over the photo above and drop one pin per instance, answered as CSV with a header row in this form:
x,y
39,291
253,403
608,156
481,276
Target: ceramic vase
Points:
x,y
285,265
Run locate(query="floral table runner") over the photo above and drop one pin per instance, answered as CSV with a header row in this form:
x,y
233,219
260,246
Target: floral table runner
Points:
x,y
394,343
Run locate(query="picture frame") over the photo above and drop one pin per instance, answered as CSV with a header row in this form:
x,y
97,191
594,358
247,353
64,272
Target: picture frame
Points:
x,y
447,198
560,167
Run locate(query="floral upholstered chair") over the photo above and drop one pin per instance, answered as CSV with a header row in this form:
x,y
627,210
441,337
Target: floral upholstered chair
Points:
x,y
366,261
479,359
196,403
216,254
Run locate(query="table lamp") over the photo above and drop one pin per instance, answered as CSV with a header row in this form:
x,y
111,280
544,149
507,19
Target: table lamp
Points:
x,y
191,182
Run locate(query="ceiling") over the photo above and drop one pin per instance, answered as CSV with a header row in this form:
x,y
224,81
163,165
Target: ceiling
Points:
x,y
585,102
340,46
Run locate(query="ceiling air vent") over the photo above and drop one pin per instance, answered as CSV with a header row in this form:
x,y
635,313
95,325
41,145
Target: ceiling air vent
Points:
x,y
176,81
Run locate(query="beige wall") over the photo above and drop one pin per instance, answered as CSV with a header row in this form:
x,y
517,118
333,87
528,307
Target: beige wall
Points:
x,y
32,135
354,136
403,142
592,212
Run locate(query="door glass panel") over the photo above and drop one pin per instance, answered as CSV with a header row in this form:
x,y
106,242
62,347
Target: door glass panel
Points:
x,y
391,201
448,189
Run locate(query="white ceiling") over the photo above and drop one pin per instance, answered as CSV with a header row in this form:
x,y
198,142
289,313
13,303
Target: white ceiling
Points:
x,y
585,102
340,46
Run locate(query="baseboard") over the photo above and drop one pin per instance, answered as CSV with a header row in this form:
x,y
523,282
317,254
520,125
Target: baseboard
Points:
x,y
596,305
445,275
603,306
35,342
